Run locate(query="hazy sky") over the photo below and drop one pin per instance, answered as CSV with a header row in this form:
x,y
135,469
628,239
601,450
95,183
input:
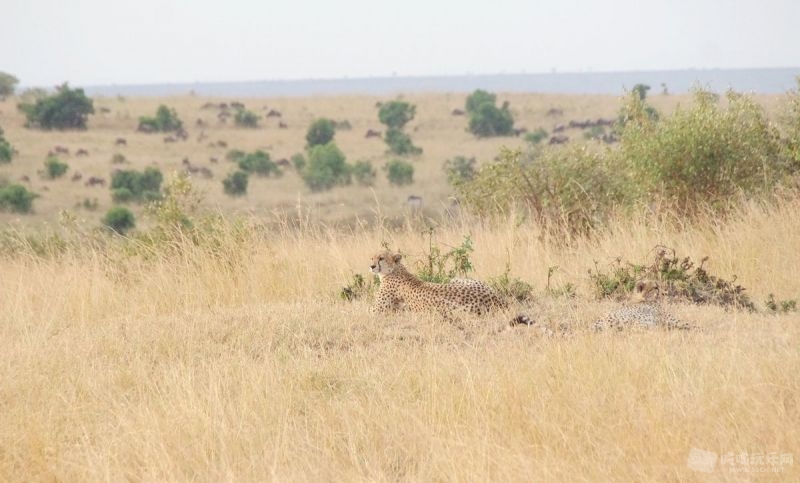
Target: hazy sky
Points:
x,y
87,42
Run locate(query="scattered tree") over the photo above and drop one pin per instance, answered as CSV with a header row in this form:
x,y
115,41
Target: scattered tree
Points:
x,y
326,168
364,173
119,219
396,114
6,150
16,199
8,84
399,172
165,120
66,109
485,118
129,185
400,143
235,184
54,168
245,118
320,132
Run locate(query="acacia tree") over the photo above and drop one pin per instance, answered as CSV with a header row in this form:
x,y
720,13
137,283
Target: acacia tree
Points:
x,y
8,84
66,109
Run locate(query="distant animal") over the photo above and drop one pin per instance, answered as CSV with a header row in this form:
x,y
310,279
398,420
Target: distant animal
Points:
x,y
559,128
237,105
554,111
282,125
213,159
558,139
182,134
400,290
95,181
77,176
121,142
199,122
372,134
457,112
519,131
202,137
170,139
81,152
222,144
283,163
61,150
273,113
414,202
643,311
146,128
25,178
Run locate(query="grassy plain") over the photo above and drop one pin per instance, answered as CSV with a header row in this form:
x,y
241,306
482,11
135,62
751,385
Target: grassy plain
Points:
x,y
237,360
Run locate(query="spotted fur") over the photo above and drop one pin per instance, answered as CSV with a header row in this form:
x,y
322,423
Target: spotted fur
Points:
x,y
643,311
400,290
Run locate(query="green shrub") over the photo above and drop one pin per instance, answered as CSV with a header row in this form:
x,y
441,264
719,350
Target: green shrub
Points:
x,y
259,162
320,132
488,120
165,120
459,170
442,266
54,168
122,195
478,98
400,143
780,306
235,184
119,219
396,114
245,118
6,150
574,188
118,158
16,198
364,173
536,136
299,162
66,109
790,120
143,186
399,172
8,84
704,155
326,168
235,155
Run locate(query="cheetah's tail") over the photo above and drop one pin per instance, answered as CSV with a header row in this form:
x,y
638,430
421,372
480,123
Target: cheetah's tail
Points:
x,y
522,319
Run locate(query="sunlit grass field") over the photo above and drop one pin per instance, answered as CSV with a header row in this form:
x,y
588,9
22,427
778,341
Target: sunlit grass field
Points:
x,y
233,358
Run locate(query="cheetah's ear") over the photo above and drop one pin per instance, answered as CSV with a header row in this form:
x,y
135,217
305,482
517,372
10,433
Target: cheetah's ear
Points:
x,y
397,257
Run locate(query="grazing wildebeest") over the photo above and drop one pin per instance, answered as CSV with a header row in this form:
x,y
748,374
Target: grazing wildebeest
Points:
x,y
282,125
77,176
81,152
457,112
61,150
213,159
95,181
237,105
222,144
554,111
559,128
558,140
283,163
273,113
520,130
372,134
121,142
182,134
199,122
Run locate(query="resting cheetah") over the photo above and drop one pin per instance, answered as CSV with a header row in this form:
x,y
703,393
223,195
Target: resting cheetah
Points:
x,y
400,290
643,311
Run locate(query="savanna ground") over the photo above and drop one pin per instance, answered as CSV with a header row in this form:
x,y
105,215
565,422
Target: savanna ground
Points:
x,y
234,358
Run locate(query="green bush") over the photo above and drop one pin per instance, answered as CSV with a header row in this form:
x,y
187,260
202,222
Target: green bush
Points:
x,y
399,172
245,118
704,155
6,150
400,143
326,168
119,219
320,132
66,109
143,186
259,162
364,173
478,98
118,158
488,120
299,162
8,84
122,195
16,198
536,136
459,170
235,184
235,155
574,188
165,120
54,168
396,114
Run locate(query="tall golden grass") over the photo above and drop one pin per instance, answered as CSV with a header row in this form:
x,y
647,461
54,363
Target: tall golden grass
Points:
x,y
238,361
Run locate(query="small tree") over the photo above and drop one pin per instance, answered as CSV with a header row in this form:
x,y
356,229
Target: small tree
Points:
x,y
326,168
486,119
478,98
119,219
16,198
54,168
8,84
259,162
66,109
364,173
245,118
459,170
400,143
6,150
165,120
320,132
396,114
135,185
235,184
399,172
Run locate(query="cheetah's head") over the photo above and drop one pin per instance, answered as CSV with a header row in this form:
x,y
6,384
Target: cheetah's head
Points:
x,y
646,291
385,263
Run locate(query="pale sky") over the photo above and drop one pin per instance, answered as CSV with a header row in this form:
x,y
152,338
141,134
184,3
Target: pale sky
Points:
x,y
91,42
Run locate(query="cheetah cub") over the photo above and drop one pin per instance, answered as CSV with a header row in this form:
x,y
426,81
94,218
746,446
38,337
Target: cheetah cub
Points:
x,y
400,290
643,311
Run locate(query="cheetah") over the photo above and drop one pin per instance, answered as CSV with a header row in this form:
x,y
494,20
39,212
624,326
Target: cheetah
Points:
x,y
400,290
642,311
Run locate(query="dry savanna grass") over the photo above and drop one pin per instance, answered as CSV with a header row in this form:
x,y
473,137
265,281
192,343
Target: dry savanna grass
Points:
x,y
441,135
238,361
